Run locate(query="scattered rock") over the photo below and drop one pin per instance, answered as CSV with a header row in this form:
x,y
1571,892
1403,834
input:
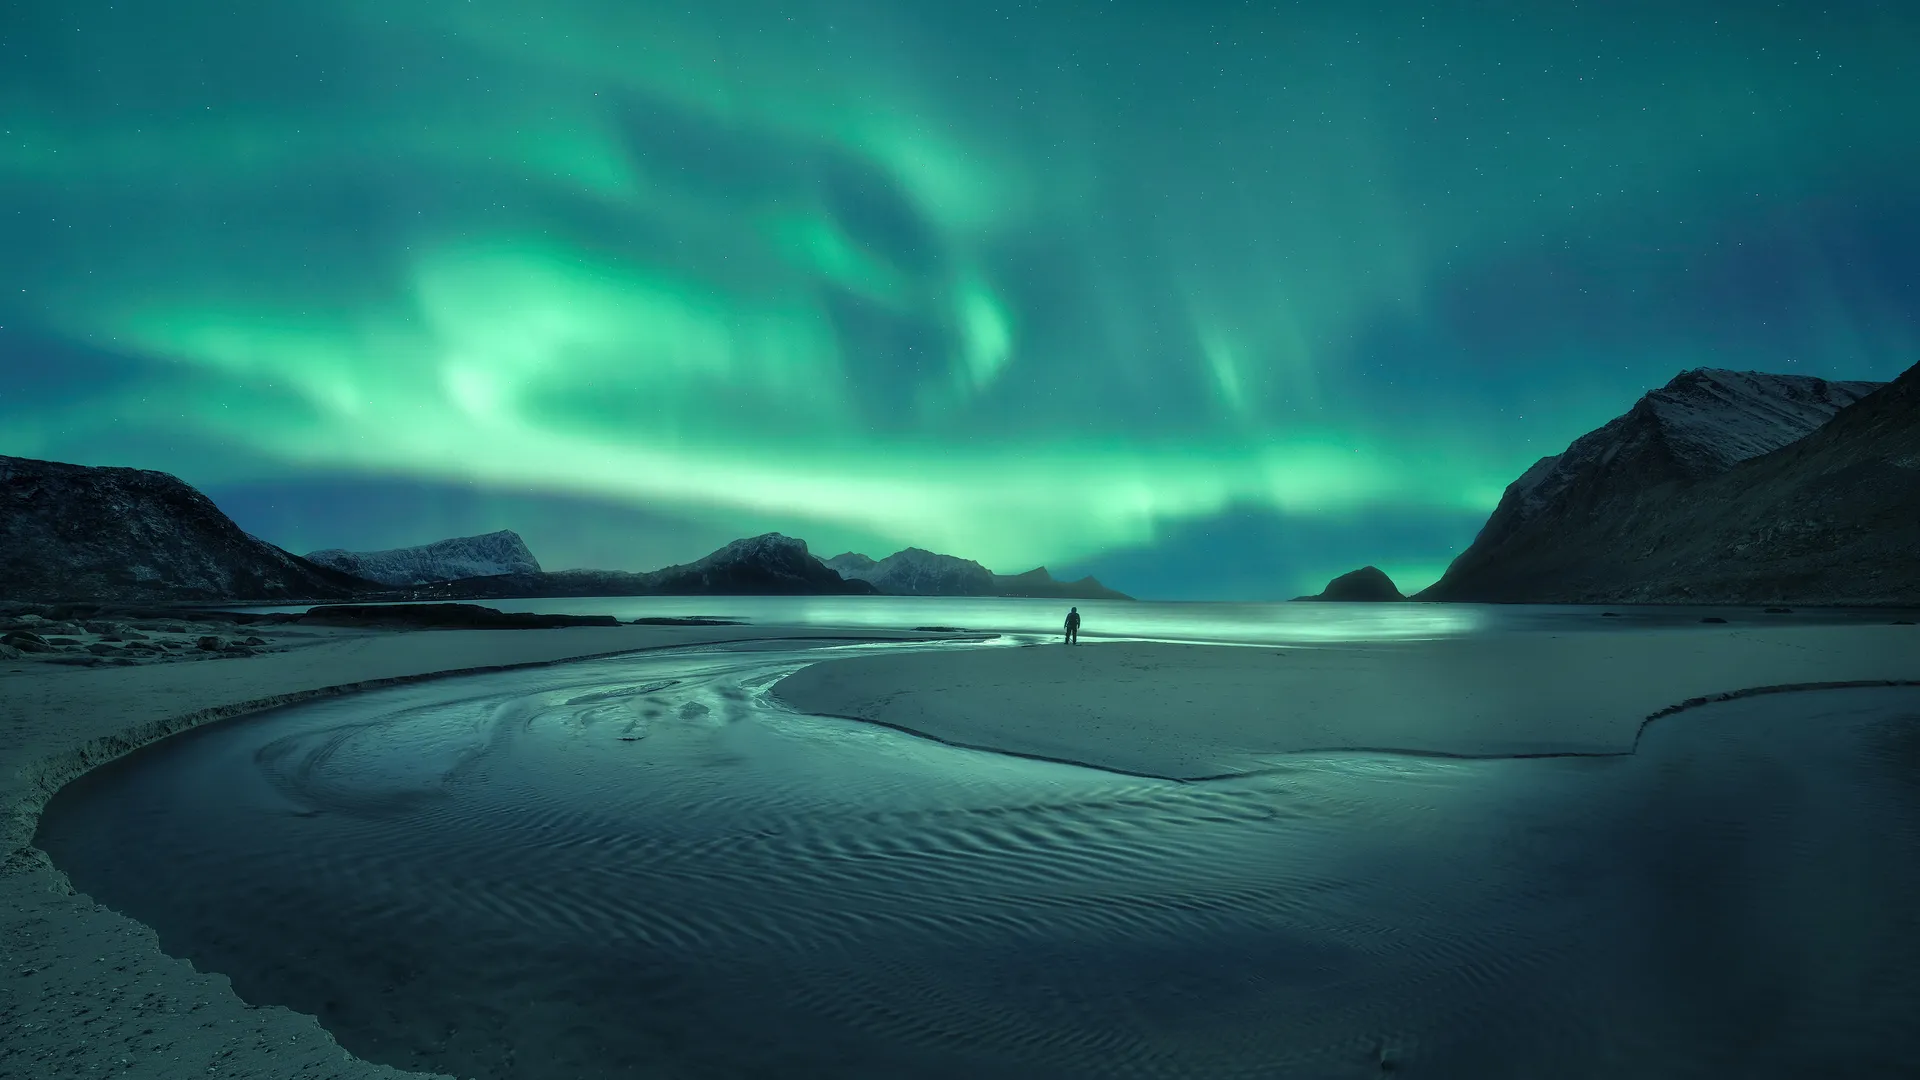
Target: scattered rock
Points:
x,y
101,648
172,628
1779,611
132,635
445,616
170,645
237,649
8,652
65,641
1713,619
24,639
100,628
209,644
256,641
62,628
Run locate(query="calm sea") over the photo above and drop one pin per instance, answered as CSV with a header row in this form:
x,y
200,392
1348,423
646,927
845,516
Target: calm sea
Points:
x,y
1254,624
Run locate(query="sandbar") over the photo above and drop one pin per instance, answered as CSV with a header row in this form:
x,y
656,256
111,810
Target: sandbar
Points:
x,y
1199,711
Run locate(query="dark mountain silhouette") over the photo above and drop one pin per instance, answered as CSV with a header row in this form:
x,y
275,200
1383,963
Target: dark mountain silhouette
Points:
x,y
78,532
767,565
1721,488
1369,584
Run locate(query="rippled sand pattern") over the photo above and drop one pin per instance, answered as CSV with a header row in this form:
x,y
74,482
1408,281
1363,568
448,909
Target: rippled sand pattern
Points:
x,y
644,868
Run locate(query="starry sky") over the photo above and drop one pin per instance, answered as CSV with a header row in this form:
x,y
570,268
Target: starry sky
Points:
x,y
1214,300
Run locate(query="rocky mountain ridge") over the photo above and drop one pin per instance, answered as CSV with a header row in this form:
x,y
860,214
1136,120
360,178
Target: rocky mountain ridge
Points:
x,y
918,572
767,565
1721,487
487,555
79,532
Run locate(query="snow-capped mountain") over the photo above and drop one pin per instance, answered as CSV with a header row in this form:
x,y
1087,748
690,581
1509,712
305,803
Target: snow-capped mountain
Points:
x,y
766,565
1619,515
918,572
77,532
488,555
1701,424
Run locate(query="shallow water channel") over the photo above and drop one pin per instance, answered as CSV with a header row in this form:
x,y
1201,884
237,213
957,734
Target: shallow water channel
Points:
x,y
646,867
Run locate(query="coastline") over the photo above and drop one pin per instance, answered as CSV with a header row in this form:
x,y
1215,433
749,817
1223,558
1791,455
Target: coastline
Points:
x,y
85,990
1191,712
88,990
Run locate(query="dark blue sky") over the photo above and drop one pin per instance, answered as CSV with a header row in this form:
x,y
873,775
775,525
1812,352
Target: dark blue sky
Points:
x,y
1215,300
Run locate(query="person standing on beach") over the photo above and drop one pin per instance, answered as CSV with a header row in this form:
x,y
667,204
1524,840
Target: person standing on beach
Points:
x,y
1073,626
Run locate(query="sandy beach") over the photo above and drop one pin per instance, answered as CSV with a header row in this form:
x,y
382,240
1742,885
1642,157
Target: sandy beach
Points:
x,y
87,991
1194,711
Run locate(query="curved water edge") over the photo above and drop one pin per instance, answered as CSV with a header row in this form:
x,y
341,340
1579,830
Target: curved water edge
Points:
x,y
565,872
45,777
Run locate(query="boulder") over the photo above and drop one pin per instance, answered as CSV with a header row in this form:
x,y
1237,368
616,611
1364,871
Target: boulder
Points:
x,y
8,652
209,644
445,616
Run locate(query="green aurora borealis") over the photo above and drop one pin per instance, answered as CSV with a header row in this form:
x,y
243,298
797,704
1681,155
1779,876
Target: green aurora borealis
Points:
x,y
1210,299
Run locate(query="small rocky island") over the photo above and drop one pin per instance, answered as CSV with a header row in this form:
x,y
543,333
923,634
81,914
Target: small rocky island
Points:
x,y
1369,584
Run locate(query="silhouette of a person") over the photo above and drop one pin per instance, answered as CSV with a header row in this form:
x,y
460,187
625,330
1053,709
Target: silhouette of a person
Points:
x,y
1073,626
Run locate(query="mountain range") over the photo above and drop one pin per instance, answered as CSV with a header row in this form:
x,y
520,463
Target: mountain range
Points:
x,y
766,565
918,572
1720,487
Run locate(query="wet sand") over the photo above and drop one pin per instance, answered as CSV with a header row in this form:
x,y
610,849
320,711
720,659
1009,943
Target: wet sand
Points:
x,y
86,991
1192,711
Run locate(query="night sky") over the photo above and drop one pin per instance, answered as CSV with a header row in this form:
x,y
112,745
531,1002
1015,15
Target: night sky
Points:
x,y
1213,300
